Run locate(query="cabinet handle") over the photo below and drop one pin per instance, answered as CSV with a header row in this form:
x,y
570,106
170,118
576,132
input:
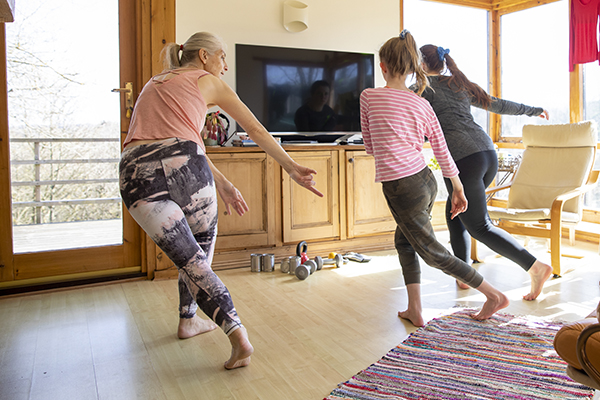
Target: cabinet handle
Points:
x,y
351,160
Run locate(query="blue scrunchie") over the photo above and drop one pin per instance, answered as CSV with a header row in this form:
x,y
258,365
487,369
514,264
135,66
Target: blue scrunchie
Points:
x,y
442,52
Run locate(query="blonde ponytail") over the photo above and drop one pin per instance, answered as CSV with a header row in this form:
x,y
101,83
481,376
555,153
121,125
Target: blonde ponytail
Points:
x,y
189,50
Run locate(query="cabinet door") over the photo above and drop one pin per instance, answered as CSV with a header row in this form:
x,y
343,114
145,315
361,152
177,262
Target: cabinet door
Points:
x,y
305,215
252,174
368,212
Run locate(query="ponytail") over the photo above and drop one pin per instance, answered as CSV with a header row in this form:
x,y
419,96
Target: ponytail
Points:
x,y
189,50
401,57
434,59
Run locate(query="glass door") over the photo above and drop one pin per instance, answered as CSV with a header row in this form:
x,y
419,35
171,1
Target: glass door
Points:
x,y
63,60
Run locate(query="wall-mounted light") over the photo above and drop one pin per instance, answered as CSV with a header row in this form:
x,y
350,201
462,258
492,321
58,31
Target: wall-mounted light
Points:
x,y
295,16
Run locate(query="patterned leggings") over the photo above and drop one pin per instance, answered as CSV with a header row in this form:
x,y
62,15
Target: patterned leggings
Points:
x,y
168,188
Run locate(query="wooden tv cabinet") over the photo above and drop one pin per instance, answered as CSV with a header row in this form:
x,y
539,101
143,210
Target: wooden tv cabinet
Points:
x,y
351,216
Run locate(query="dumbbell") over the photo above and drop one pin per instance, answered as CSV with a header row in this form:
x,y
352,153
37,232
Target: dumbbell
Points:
x,y
304,270
306,266
336,260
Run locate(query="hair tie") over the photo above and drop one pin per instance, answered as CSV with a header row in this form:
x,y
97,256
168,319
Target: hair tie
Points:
x,y
442,52
181,47
403,34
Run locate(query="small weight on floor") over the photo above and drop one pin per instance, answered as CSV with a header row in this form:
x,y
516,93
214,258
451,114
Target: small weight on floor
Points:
x,y
338,261
311,265
302,272
306,269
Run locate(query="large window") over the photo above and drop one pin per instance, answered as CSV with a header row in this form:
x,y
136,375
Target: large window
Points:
x,y
591,94
436,23
535,51
591,111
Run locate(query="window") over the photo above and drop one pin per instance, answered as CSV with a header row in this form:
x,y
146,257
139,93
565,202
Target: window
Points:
x,y
591,111
436,23
535,52
591,94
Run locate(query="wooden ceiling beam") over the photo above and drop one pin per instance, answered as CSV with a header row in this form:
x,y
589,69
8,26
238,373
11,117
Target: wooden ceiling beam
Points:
x,y
509,6
7,10
502,6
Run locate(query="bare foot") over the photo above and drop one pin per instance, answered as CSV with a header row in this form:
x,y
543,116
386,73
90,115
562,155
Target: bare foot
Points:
x,y
241,349
189,327
462,285
495,302
413,316
540,273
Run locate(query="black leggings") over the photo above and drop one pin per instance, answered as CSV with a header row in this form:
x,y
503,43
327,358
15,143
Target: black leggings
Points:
x,y
477,172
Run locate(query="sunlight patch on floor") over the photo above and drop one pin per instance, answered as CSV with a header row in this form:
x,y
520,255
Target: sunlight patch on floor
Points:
x,y
376,265
572,308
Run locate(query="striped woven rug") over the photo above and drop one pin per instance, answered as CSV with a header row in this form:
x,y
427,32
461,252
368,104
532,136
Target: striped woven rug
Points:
x,y
457,357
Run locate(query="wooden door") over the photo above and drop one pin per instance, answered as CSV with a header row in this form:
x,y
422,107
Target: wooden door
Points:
x,y
306,216
140,26
367,210
251,174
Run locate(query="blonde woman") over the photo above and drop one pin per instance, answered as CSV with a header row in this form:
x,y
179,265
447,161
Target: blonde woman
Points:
x,y
169,185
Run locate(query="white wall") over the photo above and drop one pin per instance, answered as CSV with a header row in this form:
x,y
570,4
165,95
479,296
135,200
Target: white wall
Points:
x,y
347,25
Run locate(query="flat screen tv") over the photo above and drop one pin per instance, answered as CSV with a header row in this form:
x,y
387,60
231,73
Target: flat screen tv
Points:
x,y
303,94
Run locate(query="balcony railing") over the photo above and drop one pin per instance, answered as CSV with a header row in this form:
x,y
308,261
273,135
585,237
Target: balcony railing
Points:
x,y
37,183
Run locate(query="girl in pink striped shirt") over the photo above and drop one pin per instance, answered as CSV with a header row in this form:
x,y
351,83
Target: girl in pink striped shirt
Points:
x,y
395,122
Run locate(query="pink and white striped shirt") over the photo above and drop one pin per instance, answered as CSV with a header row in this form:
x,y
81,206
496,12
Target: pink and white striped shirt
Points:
x,y
394,126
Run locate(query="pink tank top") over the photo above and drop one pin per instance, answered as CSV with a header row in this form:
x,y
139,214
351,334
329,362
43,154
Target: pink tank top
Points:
x,y
168,108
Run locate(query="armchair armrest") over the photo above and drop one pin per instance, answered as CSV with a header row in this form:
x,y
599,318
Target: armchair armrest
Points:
x,y
495,189
590,184
589,369
558,201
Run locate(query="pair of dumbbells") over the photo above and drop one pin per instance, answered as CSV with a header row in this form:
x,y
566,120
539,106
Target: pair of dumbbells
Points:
x,y
308,266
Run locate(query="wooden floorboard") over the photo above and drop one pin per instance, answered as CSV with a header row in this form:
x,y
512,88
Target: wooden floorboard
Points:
x,y
118,341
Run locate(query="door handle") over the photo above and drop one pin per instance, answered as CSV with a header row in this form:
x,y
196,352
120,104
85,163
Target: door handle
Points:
x,y
128,90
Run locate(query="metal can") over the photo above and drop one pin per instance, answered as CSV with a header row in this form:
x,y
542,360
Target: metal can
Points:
x,y
267,262
285,265
294,263
255,261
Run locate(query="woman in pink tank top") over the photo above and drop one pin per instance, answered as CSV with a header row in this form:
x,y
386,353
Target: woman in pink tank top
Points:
x,y
169,185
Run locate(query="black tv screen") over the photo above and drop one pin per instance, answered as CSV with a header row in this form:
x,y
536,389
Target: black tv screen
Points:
x,y
301,94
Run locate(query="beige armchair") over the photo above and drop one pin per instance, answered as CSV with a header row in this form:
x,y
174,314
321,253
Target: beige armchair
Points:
x,y
547,190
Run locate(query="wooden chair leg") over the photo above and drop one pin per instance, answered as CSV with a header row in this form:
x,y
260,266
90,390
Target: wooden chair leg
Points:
x,y
474,255
555,238
571,236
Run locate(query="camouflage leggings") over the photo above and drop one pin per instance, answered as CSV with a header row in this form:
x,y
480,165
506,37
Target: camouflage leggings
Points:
x,y
168,188
411,200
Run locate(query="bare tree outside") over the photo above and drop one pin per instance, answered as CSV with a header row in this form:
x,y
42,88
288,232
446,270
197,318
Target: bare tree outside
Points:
x,y
61,110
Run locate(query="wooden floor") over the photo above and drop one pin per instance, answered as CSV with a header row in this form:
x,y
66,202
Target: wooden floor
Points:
x,y
118,341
